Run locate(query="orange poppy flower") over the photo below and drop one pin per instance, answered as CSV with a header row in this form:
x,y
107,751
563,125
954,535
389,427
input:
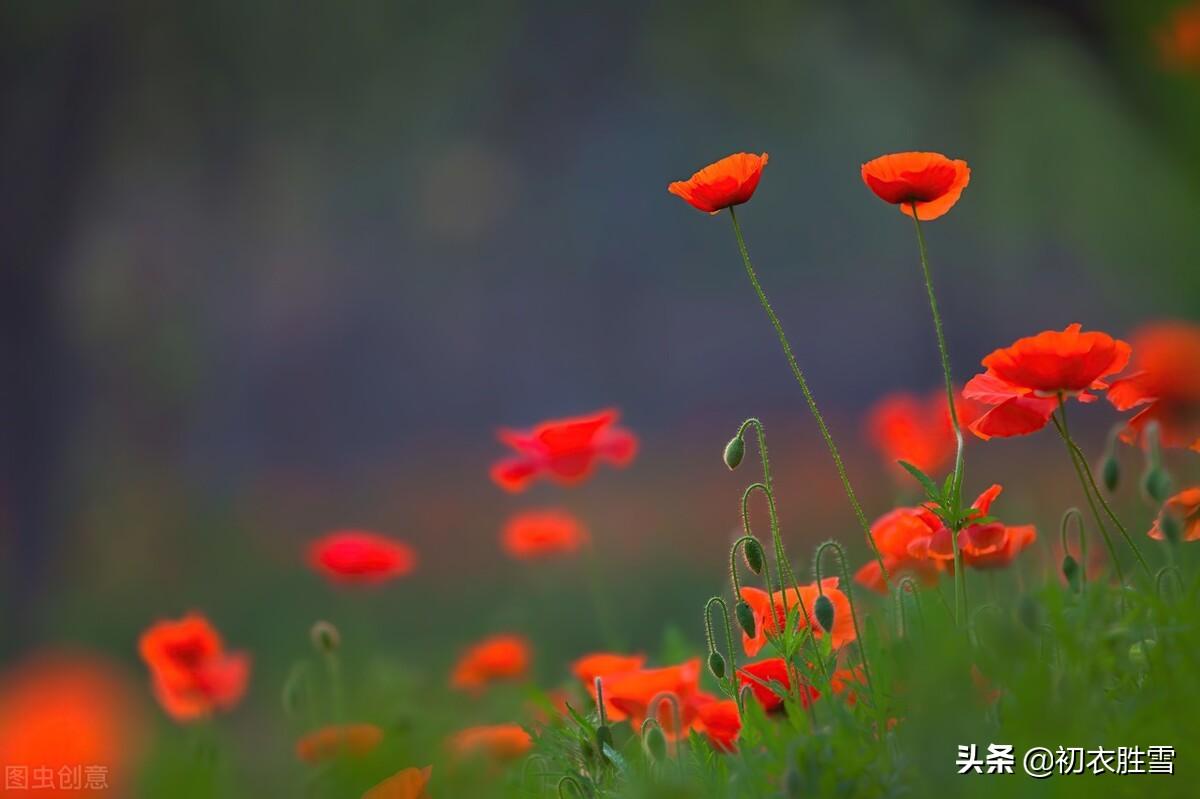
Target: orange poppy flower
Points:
x,y
564,450
1186,507
905,427
930,181
1023,381
720,723
845,682
65,711
192,674
605,665
410,783
894,532
1179,40
327,743
501,742
1166,380
501,657
991,545
759,677
542,533
360,557
730,181
631,693
769,613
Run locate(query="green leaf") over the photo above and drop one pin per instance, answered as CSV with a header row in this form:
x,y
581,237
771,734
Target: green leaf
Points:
x,y
931,488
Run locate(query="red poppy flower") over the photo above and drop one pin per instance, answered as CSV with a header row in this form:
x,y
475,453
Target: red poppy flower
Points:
x,y
1023,381
605,665
1166,380
501,657
543,533
905,427
720,723
846,682
1186,507
931,181
990,545
68,710
501,742
410,783
894,533
360,557
191,672
1179,40
633,692
730,181
769,614
327,743
759,676
565,450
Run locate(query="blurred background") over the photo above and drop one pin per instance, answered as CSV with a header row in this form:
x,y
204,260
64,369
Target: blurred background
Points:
x,y
273,270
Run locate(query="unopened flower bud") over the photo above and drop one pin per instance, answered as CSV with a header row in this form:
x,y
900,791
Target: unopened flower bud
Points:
x,y
1156,484
745,617
1171,526
325,637
1070,570
734,451
604,737
753,552
823,608
1110,472
716,664
655,742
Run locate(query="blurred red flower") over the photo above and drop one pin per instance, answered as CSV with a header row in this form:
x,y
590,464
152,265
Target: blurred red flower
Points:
x,y
988,545
759,677
192,674
360,557
1023,381
1178,40
931,181
720,723
905,427
730,181
65,712
769,613
1185,506
501,742
1165,379
632,693
542,533
605,665
410,783
565,450
500,657
327,743
894,532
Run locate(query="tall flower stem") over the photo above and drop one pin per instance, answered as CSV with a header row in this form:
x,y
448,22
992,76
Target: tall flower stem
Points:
x,y
808,396
1088,480
960,575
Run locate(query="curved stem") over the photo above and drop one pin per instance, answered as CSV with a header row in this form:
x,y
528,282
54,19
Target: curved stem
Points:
x,y
862,644
904,585
1064,532
712,644
776,537
960,574
1086,474
808,396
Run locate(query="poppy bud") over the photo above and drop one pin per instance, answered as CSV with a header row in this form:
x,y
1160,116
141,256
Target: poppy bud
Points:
x,y
753,552
655,742
823,608
325,637
745,617
1110,472
1170,526
734,450
1070,570
1156,483
716,664
603,737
